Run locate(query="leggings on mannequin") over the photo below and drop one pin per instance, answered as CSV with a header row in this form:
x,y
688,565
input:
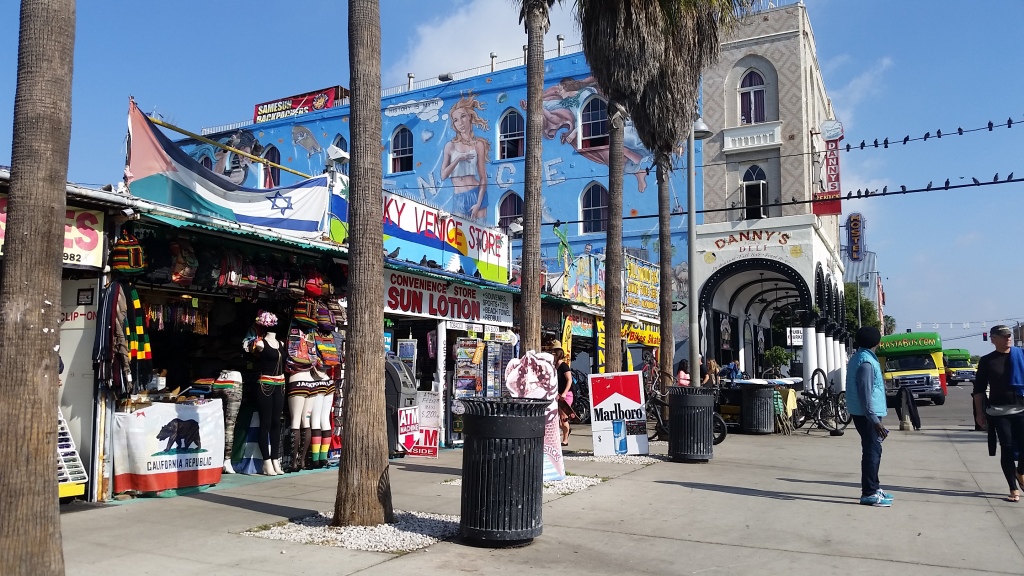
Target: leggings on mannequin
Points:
x,y
232,399
326,424
299,408
318,400
270,404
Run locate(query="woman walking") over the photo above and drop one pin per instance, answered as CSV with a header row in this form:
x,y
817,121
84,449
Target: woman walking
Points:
x,y
564,389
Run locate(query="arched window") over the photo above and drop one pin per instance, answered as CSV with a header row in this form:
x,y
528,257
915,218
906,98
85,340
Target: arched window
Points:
x,y
752,98
510,208
755,193
207,162
595,209
271,174
401,150
594,124
512,136
340,142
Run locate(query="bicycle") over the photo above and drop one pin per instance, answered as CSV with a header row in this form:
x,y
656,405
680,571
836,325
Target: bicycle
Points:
x,y
822,405
580,397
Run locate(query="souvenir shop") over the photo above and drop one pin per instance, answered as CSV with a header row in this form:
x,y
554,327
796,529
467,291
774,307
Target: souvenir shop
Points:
x,y
217,353
456,338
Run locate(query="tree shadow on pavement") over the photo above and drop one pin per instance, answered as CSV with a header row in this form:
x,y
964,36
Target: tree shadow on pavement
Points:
x,y
909,489
253,505
771,494
426,469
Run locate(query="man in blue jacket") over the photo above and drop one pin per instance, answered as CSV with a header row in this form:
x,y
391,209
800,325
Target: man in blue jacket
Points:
x,y
865,399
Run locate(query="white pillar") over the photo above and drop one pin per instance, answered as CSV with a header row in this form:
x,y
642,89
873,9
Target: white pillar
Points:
x,y
822,354
830,360
842,365
741,352
810,352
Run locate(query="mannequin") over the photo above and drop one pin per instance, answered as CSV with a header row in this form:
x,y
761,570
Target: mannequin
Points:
x,y
327,417
321,436
270,400
228,387
301,393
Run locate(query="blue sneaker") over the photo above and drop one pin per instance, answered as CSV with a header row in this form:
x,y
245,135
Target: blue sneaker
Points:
x,y
885,494
876,499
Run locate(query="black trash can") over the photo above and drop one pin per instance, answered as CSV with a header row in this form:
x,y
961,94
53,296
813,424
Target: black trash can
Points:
x,y
691,434
758,414
502,470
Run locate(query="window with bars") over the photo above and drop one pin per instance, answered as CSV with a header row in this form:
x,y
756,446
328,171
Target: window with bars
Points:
x,y
512,136
340,142
755,193
510,208
594,124
401,151
595,209
752,98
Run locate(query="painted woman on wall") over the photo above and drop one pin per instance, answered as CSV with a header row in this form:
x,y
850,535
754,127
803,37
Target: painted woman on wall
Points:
x,y
465,159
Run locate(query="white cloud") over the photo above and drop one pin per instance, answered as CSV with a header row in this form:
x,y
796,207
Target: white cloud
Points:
x,y
866,84
468,33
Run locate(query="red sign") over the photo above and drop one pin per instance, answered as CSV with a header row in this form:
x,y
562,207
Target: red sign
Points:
x,y
624,384
408,426
294,105
426,444
827,201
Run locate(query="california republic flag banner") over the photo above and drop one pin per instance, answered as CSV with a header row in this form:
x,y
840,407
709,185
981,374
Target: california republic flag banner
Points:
x,y
168,446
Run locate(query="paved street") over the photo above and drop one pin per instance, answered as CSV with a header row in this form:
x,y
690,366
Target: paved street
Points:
x,y
765,504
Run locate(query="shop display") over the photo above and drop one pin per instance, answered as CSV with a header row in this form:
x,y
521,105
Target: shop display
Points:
x,y
468,367
270,399
71,475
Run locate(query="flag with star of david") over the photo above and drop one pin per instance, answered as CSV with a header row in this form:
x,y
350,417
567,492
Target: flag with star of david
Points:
x,y
159,171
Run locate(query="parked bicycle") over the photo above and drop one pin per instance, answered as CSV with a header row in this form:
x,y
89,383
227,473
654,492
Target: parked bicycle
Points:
x,y
822,405
580,397
657,404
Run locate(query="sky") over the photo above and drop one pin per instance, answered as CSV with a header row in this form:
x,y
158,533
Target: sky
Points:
x,y
892,69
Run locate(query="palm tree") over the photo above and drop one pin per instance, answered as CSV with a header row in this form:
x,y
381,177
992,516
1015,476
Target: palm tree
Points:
x,y
663,113
30,540
623,55
364,485
536,16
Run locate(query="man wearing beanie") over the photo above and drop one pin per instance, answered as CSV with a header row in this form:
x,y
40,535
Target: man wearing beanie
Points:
x,y
865,399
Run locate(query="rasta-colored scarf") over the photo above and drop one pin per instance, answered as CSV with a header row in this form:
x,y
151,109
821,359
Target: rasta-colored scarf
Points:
x,y
135,329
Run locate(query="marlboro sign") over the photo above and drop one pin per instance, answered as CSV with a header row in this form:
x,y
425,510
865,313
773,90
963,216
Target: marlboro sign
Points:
x,y
827,201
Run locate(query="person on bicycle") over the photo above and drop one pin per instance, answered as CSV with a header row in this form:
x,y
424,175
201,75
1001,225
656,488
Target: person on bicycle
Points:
x,y
865,400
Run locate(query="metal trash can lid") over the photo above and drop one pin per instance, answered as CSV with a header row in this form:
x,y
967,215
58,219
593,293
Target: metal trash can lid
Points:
x,y
505,406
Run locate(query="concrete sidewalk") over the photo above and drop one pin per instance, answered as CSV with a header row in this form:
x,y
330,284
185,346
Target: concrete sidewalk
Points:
x,y
765,504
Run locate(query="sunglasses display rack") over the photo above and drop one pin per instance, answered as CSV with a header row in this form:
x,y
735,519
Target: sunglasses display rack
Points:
x,y
71,475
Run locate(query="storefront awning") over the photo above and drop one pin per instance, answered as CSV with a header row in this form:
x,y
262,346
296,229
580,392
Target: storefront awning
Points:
x,y
233,229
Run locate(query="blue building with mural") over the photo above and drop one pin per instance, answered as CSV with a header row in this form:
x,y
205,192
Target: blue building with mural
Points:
x,y
459,146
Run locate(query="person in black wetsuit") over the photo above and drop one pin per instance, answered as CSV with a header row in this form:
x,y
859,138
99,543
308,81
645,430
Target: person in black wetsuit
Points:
x,y
1003,410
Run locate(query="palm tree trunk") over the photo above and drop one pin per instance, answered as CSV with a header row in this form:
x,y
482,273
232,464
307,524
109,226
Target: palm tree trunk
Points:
x,y
613,246
30,539
667,348
364,486
529,302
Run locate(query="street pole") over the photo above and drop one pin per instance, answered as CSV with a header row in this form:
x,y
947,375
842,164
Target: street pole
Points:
x,y
859,296
691,258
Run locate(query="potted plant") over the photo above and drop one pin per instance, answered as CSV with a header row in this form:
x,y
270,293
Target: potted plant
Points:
x,y
775,357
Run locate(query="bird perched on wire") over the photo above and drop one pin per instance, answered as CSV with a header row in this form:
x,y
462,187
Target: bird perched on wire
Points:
x,y
849,195
929,186
927,135
938,133
959,131
876,142
990,125
885,143
1009,122
906,139
996,177
848,146
946,185
861,144
976,182
885,190
903,188
1010,177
